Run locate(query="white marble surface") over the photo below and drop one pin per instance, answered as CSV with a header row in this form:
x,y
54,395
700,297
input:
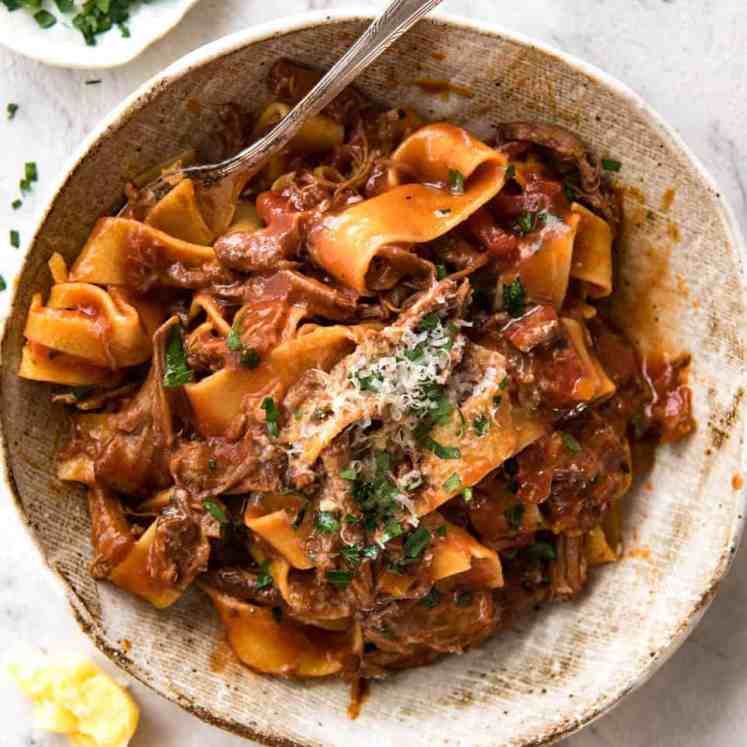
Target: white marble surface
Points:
x,y
686,57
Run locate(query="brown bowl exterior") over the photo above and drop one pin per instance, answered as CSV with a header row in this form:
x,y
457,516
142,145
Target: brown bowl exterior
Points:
x,y
682,267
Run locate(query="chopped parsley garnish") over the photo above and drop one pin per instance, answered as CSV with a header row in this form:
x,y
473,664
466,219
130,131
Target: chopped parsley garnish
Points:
x,y
233,341
463,599
65,6
11,110
467,494
453,484
369,383
441,451
371,552
504,384
3,284
541,551
440,272
349,474
264,578
215,511
351,554
272,415
497,400
514,515
15,238
525,222
177,372
513,298
417,542
429,322
569,190
45,19
610,164
351,519
212,464
481,425
456,182
16,204
341,579
392,530
442,530
30,172
431,599
326,522
98,16
81,392
571,443
510,171
249,358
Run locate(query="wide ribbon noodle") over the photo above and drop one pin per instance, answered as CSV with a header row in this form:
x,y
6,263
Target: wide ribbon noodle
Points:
x,y
347,244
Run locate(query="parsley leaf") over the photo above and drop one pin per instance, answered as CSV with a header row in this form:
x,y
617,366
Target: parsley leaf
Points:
x,y
417,542
177,371
45,19
513,298
440,272
456,182
481,425
453,484
215,511
249,358
610,164
571,443
341,579
510,171
15,238
514,515
233,341
272,415
392,529
326,522
11,110
264,579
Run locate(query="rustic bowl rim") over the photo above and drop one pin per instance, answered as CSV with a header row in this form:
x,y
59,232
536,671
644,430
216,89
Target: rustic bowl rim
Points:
x,y
280,27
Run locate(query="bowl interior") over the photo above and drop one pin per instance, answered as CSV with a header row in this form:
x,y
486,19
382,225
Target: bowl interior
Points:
x,y
563,665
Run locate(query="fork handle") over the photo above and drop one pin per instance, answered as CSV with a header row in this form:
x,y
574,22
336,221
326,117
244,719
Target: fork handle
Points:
x,y
383,31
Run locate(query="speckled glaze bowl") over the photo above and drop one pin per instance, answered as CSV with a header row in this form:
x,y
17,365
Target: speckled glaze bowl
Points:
x,y
682,266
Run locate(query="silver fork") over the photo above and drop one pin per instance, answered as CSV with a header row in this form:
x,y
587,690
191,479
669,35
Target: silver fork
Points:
x,y
383,31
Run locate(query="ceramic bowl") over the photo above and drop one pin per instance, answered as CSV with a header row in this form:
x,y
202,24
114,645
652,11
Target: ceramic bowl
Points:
x,y
682,267
63,46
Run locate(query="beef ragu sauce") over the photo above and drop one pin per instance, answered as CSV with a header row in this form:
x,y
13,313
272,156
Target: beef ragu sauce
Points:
x,y
374,408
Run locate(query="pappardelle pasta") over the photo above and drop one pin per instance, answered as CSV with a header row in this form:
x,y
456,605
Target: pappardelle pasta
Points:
x,y
369,400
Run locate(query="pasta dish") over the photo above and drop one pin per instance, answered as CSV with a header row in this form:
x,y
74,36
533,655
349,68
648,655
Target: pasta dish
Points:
x,y
370,400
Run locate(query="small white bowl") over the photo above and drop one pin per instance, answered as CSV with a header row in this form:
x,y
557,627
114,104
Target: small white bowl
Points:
x,y
63,45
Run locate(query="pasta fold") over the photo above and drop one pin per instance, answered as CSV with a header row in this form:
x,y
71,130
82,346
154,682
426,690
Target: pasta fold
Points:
x,y
347,244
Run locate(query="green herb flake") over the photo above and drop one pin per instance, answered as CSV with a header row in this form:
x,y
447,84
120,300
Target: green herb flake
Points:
x,y
370,553
16,204
45,19
340,579
417,542
429,322
510,171
11,110
571,443
81,392
456,182
610,164
233,341
123,30
272,415
442,530
467,494
15,238
541,551
351,554
514,515
453,484
178,373
326,522
431,599
249,358
392,530
351,519
64,6
30,172
264,578
504,384
348,474
215,511
481,425
463,599
514,298
440,272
